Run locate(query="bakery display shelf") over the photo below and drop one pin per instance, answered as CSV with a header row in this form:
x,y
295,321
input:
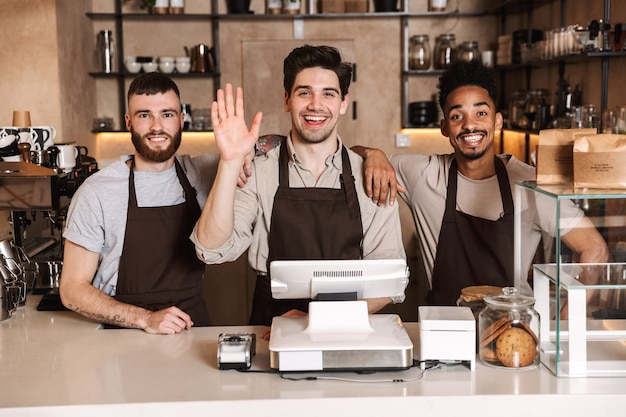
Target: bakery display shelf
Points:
x,y
580,338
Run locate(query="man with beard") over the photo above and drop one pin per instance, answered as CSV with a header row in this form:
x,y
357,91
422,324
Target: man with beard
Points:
x,y
462,202
128,261
305,198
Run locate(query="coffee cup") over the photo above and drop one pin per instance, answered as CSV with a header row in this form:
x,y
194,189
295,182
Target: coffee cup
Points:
x,y
8,135
66,157
8,144
42,137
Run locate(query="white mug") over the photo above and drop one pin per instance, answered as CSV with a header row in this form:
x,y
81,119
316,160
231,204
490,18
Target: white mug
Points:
x,y
42,137
66,158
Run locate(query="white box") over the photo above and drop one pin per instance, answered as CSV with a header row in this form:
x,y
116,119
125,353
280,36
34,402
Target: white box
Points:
x,y
447,333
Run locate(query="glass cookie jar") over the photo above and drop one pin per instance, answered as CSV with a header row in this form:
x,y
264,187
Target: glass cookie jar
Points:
x,y
508,331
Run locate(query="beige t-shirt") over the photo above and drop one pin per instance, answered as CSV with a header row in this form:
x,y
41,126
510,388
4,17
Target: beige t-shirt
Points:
x,y
382,234
425,178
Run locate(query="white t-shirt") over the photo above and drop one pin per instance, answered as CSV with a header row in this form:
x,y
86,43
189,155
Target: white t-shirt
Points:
x,y
96,218
425,178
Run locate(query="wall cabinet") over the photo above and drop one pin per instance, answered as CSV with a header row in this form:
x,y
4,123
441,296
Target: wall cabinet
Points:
x,y
470,20
595,60
410,18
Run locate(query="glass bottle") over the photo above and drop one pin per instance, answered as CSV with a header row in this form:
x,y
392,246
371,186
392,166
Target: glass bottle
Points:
x,y
106,50
469,50
508,331
419,52
445,50
186,109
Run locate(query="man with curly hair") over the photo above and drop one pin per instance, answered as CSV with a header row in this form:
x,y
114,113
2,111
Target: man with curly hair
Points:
x,y
462,202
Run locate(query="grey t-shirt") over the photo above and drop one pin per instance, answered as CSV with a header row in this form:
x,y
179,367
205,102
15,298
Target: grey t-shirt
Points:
x,y
96,218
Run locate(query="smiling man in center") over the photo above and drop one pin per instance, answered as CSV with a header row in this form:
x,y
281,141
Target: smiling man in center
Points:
x,y
305,199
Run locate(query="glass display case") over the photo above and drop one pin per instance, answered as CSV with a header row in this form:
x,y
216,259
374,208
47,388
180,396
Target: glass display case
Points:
x,y
581,299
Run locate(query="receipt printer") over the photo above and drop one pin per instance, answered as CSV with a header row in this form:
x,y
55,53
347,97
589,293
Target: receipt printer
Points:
x,y
235,350
447,333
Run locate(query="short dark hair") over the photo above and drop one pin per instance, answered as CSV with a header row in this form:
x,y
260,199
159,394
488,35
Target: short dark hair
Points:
x,y
152,83
326,57
466,73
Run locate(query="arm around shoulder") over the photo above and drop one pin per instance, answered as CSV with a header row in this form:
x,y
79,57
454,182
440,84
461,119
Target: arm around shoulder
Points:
x,y
379,176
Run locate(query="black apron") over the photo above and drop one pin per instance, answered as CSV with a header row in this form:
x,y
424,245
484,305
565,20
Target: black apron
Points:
x,y
308,223
473,250
158,266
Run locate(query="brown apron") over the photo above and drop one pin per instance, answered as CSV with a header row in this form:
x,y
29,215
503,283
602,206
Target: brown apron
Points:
x,y
158,266
473,250
308,223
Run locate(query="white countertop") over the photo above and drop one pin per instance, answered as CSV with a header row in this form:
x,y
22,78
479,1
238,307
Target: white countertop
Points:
x,y
61,364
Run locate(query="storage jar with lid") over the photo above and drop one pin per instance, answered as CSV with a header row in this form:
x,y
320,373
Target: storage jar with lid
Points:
x,y
517,105
536,109
508,331
445,50
469,50
419,52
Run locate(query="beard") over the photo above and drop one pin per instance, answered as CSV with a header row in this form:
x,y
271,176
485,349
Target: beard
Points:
x,y
474,154
161,155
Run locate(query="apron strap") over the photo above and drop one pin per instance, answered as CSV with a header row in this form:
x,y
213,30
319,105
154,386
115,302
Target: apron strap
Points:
x,y
347,182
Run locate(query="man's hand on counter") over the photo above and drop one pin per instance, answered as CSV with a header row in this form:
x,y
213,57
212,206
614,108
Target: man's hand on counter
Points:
x,y
168,321
79,295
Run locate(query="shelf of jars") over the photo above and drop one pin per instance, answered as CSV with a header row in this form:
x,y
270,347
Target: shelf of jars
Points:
x,y
570,58
420,60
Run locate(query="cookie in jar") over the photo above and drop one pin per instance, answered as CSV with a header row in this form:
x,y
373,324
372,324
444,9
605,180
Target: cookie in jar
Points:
x,y
508,331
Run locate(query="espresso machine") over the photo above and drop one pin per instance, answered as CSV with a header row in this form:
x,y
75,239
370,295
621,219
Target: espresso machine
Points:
x,y
37,195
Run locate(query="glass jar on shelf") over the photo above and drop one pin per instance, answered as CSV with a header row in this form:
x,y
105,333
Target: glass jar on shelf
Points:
x,y
517,104
419,52
469,50
445,50
537,109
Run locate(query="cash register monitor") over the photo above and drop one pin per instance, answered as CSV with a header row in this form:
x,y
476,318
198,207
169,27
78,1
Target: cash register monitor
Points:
x,y
338,279
339,333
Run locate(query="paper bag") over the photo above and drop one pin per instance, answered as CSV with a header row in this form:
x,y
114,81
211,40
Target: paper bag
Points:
x,y
600,161
555,155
